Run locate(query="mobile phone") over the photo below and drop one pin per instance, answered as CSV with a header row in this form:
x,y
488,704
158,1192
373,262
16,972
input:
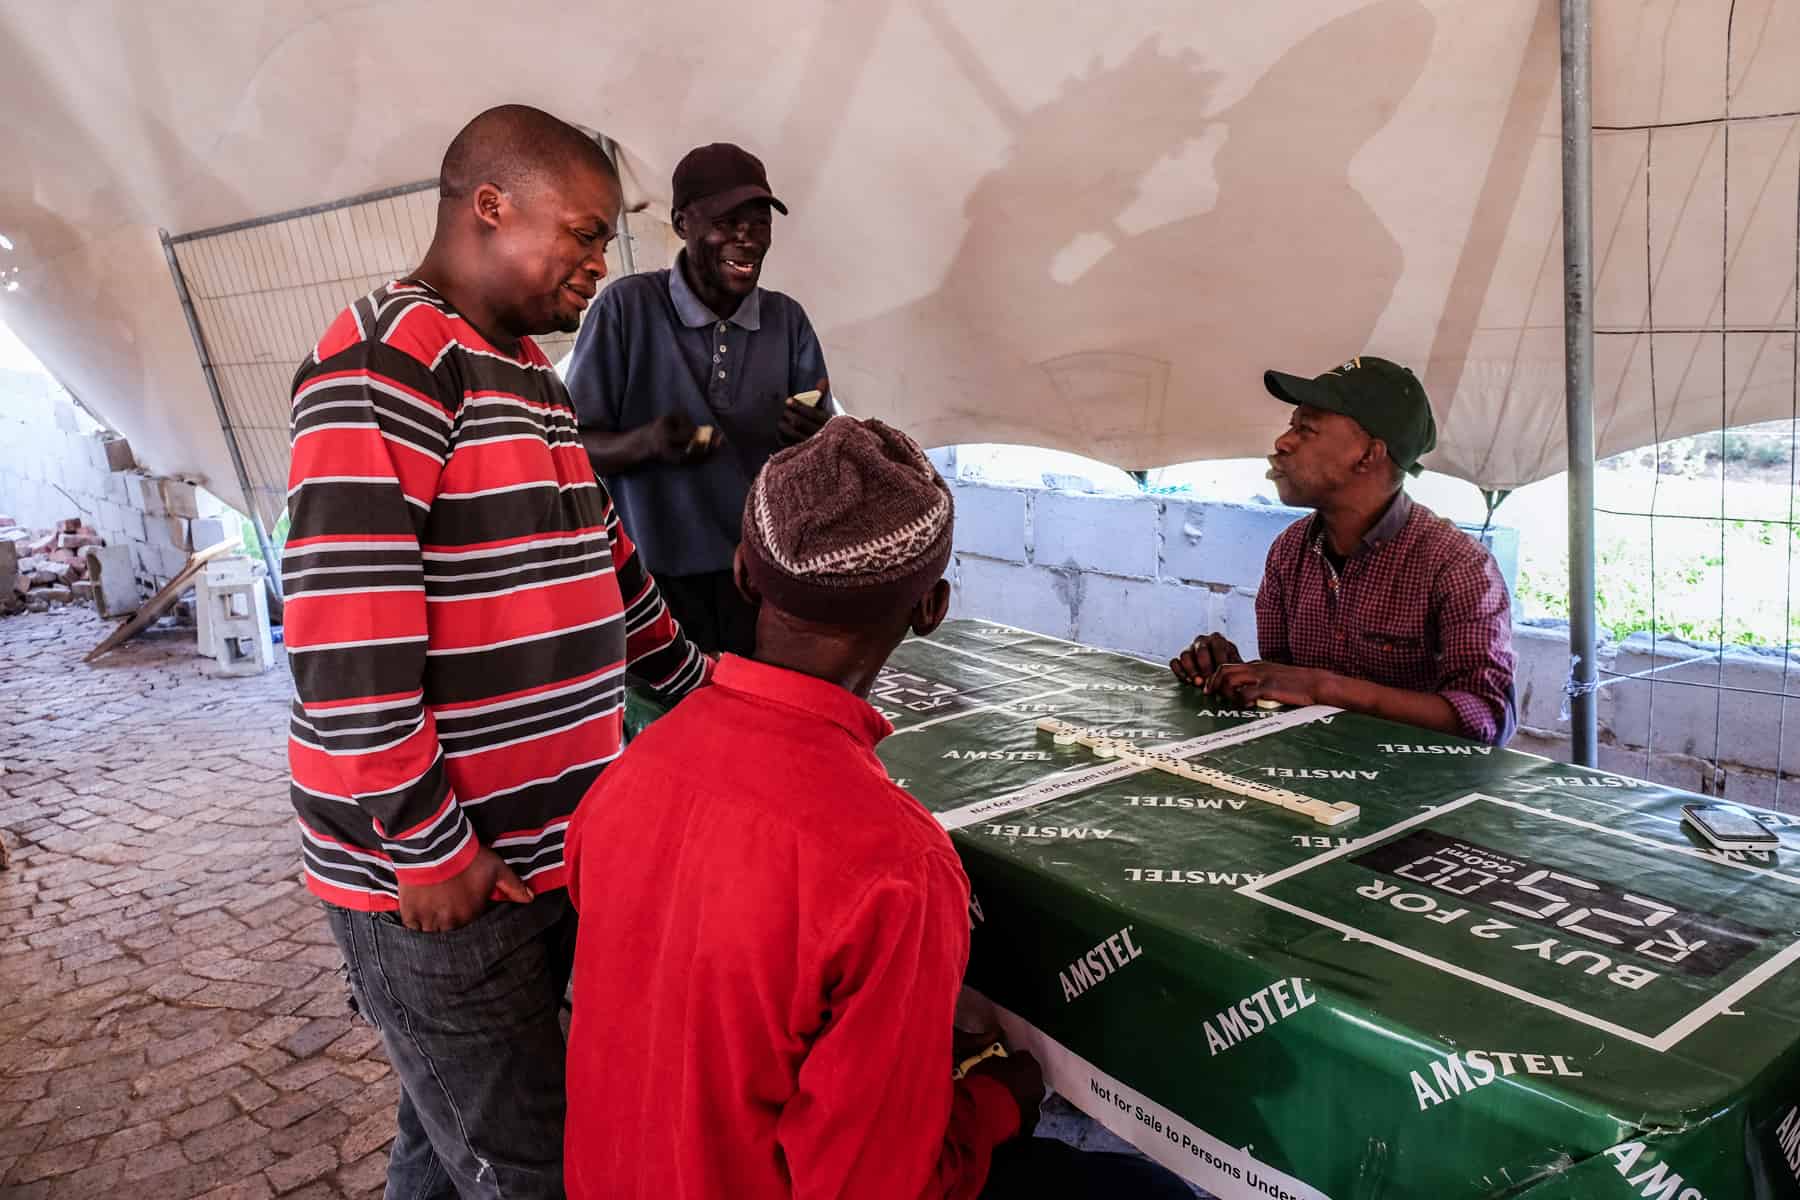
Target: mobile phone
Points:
x,y
1729,827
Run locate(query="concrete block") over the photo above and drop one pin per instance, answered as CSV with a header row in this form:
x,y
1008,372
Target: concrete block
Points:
x,y
212,506
133,525
1145,617
990,521
207,531
65,419
117,489
93,454
1235,615
169,561
56,471
82,477
1674,770
120,523
1529,741
222,574
39,446
178,498
236,624
9,568
146,495
1741,727
1033,598
169,532
1542,670
1109,535
111,571
1221,543
1755,787
161,563
118,456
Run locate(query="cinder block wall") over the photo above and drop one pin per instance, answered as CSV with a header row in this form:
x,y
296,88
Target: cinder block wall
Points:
x,y
1140,574
57,462
1143,574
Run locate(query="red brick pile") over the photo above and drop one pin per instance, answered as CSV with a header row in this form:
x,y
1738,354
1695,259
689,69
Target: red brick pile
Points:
x,y
46,566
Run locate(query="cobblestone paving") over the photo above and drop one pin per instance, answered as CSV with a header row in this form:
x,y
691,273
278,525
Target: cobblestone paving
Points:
x,y
172,1021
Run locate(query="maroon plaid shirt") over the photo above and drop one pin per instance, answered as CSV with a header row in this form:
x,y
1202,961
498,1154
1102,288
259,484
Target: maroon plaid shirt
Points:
x,y
1419,605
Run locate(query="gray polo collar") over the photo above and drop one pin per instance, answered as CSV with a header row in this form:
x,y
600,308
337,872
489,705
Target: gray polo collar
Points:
x,y
693,311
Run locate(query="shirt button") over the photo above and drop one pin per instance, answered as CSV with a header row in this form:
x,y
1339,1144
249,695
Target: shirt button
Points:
x,y
721,374
715,358
721,327
721,348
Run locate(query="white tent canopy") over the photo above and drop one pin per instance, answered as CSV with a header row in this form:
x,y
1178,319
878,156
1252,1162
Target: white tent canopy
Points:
x,y
1082,226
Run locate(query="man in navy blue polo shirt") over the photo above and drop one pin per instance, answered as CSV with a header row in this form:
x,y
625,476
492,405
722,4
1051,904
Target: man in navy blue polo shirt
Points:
x,y
684,383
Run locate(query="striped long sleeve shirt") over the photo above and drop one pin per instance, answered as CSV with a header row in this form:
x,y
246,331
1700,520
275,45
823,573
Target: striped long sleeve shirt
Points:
x,y
462,605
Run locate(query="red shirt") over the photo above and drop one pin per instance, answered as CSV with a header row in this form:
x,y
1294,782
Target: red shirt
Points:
x,y
771,942
1419,605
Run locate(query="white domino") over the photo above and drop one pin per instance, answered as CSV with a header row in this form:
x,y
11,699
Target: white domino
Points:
x,y
1065,734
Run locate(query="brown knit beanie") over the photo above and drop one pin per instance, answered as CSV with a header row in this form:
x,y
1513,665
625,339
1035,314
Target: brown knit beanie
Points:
x,y
849,526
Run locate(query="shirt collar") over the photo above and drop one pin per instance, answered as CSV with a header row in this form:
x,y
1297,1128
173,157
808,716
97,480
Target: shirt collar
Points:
x,y
1399,512
693,311
813,697
1392,521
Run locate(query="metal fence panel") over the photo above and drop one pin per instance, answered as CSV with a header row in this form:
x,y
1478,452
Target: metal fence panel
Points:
x,y
264,290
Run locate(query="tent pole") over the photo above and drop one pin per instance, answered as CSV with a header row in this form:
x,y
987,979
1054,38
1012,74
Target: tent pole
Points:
x,y
231,442
1578,355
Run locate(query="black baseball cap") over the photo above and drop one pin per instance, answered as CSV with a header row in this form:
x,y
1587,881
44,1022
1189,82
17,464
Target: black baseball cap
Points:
x,y
1383,397
717,178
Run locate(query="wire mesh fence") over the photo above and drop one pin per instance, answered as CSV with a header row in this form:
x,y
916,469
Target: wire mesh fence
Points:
x,y
264,290
1706,578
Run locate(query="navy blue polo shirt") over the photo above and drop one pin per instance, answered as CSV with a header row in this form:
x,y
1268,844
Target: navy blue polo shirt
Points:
x,y
652,347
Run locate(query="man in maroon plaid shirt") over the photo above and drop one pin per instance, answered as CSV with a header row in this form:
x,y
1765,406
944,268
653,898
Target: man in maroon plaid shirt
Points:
x,y
1373,604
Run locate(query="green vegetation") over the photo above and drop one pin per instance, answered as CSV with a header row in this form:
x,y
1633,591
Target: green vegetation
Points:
x,y
278,535
1694,569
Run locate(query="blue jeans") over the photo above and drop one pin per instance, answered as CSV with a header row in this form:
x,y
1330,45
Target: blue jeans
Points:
x,y
472,1024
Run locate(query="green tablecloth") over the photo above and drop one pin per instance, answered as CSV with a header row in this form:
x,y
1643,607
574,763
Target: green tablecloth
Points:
x,y
1508,977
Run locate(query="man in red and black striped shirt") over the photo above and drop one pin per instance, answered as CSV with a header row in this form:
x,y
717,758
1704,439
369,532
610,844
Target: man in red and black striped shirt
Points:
x,y
462,608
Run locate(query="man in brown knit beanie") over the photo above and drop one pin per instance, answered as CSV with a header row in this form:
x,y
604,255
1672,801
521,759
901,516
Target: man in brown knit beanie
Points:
x,y
772,934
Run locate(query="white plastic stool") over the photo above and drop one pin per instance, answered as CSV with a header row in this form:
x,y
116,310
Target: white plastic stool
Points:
x,y
233,612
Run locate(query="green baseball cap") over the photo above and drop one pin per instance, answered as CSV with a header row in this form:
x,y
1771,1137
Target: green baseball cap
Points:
x,y
1383,397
